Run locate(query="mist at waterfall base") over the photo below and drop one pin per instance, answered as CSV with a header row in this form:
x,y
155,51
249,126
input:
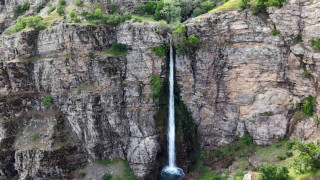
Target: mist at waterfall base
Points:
x,y
171,172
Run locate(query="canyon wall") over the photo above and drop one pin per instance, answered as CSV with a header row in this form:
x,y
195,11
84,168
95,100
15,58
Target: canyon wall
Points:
x,y
242,79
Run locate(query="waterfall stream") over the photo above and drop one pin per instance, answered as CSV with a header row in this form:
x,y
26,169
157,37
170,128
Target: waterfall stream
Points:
x,y
171,171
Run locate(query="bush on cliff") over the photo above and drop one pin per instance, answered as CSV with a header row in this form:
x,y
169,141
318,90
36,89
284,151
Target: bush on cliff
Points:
x,y
118,49
308,159
268,172
308,105
35,22
156,85
61,10
315,44
114,19
20,10
244,4
261,5
161,50
188,46
47,100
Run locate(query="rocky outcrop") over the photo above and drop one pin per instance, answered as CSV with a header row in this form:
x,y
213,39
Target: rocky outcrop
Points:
x,y
241,79
103,99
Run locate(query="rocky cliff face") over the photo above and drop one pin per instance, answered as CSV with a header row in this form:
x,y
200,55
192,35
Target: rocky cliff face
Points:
x,y
102,101
242,72
241,79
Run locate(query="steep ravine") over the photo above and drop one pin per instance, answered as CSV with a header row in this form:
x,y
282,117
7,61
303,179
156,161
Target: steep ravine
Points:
x,y
101,106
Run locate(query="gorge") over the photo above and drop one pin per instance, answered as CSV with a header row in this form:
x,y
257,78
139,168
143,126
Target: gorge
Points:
x,y
73,108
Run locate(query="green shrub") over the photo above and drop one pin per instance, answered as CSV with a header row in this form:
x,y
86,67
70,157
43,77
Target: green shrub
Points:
x,y
276,3
113,7
297,40
180,30
246,139
188,46
244,4
62,2
98,13
148,9
261,5
34,137
267,113
91,54
47,100
106,177
39,7
207,6
51,9
315,44
79,3
196,12
1,71
171,12
61,10
307,74
268,172
161,50
118,49
20,10
275,32
35,22
289,153
156,85
308,159
309,105
280,158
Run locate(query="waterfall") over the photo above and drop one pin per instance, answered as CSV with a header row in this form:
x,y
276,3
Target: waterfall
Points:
x,y
171,171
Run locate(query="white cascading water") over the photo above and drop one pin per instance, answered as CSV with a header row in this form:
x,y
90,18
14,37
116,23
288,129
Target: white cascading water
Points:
x,y
171,171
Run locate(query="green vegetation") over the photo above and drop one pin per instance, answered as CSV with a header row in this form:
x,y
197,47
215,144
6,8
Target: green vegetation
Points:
x,y
118,49
34,137
188,46
99,16
106,177
315,44
156,86
161,50
297,40
261,5
51,9
61,10
39,7
267,113
246,139
244,4
308,159
281,158
268,172
175,11
113,7
91,54
275,32
308,106
74,17
184,45
62,2
20,10
79,3
228,5
35,22
1,71
128,175
47,100
307,74
61,7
